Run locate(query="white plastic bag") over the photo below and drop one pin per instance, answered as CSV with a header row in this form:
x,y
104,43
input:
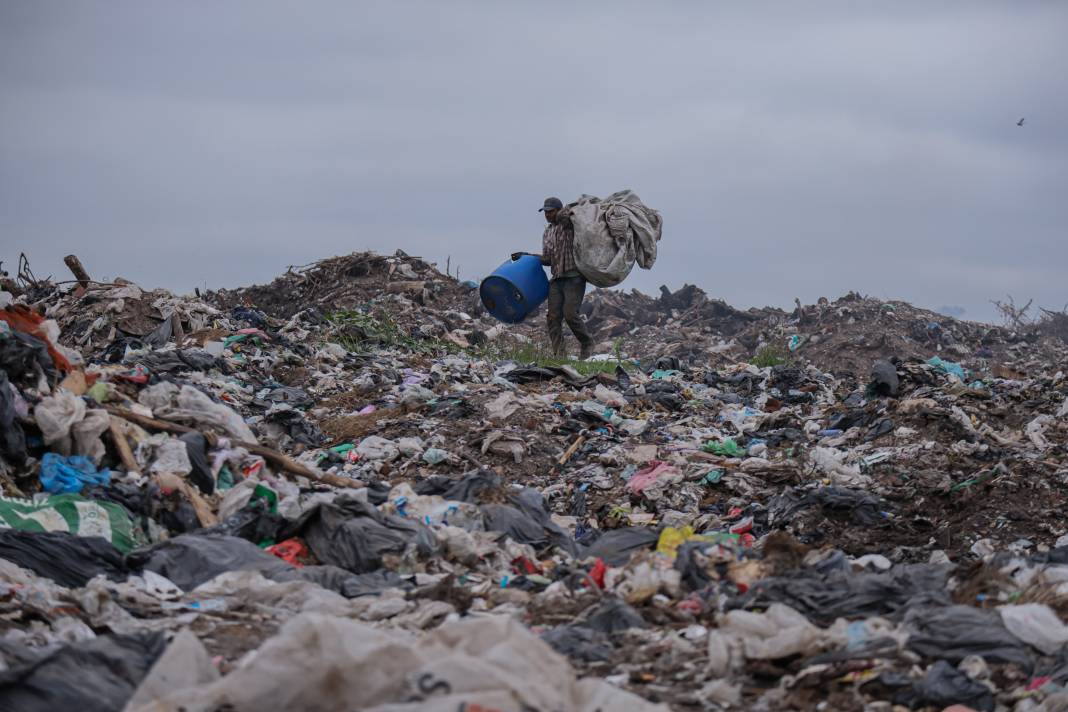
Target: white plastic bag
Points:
x,y
55,416
320,662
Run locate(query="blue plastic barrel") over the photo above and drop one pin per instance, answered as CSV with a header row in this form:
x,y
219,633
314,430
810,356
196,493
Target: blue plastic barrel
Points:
x,y
515,289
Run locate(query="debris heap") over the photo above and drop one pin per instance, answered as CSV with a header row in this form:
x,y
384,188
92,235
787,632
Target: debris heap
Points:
x,y
351,489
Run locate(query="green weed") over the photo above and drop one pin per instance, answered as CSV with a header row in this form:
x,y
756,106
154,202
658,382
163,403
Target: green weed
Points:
x,y
360,332
769,355
540,356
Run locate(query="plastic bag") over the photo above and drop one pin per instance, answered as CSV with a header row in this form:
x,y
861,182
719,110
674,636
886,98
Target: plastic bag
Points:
x,y
349,532
943,685
12,437
779,632
97,675
617,545
171,457
87,432
74,514
1036,624
67,559
377,448
324,663
55,415
190,559
955,632
66,475
845,594
188,404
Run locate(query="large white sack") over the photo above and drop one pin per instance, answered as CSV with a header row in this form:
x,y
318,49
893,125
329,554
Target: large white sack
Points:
x,y
319,662
613,234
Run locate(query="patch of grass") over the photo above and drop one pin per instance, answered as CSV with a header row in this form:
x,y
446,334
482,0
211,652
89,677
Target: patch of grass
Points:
x,y
360,332
357,331
769,355
540,356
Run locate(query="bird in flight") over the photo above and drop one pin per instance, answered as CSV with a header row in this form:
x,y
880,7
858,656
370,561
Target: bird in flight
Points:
x,y
1020,122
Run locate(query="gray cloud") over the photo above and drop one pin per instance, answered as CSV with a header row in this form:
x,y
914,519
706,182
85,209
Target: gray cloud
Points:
x,y
794,149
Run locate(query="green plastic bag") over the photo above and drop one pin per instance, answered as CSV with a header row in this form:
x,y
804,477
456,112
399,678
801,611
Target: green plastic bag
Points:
x,y
728,448
75,514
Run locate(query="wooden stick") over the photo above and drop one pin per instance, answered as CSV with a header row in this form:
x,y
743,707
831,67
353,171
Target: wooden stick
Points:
x,y
115,427
572,449
77,270
280,460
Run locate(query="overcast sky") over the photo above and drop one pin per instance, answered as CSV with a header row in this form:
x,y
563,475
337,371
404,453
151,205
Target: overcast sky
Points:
x,y
794,149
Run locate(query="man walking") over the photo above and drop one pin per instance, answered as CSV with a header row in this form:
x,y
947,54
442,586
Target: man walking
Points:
x,y
567,286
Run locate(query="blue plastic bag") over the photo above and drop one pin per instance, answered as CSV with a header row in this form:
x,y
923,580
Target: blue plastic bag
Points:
x,y
949,367
67,475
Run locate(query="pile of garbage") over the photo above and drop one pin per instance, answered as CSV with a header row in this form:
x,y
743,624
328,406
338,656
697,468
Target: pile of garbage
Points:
x,y
339,491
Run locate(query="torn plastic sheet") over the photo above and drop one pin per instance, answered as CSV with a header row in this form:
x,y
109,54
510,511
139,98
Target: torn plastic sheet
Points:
x,y
351,533
325,663
67,559
190,560
955,632
97,675
848,594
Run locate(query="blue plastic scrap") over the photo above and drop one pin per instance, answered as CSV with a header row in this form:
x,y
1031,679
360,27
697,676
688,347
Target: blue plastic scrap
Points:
x,y
954,369
68,475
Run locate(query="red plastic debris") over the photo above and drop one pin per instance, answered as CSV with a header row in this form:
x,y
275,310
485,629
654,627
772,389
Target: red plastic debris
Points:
x,y
21,318
523,565
743,526
690,605
292,551
598,571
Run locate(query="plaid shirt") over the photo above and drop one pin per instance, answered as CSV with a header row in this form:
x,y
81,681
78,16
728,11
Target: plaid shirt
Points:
x,y
558,248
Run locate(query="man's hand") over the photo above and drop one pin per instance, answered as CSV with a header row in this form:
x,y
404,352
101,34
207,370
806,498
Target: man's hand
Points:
x,y
517,255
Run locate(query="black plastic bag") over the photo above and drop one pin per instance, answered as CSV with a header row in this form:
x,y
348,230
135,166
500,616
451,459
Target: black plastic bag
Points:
x,y
67,559
884,379
942,686
617,545
254,317
291,395
18,354
352,534
196,446
254,522
192,559
12,437
180,360
352,585
534,374
579,643
693,574
526,519
98,675
612,615
850,594
297,427
864,507
955,632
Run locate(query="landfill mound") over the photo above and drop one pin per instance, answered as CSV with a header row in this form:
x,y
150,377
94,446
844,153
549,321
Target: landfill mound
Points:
x,y
349,489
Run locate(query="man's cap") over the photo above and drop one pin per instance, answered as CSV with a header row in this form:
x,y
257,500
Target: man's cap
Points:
x,y
551,204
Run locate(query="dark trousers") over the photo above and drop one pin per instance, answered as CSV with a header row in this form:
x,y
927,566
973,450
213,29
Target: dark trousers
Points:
x,y
565,298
